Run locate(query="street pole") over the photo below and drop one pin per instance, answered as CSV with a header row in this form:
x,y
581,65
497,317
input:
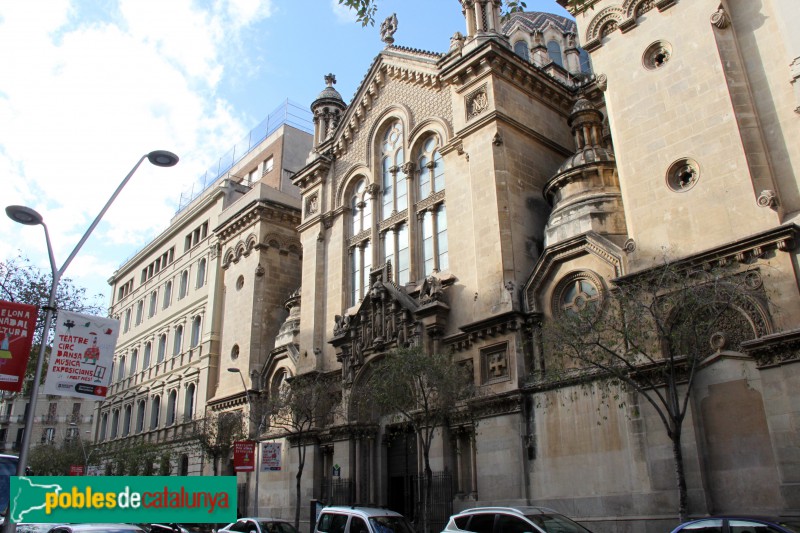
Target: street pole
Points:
x,y
249,433
29,217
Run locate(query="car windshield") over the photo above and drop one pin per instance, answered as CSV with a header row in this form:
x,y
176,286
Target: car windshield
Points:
x,y
390,524
277,527
556,523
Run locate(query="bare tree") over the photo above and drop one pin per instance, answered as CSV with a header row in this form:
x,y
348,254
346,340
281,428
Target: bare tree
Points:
x,y
295,409
422,391
650,333
216,434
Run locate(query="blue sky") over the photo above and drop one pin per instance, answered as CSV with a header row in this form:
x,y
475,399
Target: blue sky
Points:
x,y
88,86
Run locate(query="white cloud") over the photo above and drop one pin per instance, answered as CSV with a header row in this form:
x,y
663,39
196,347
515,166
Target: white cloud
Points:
x,y
82,98
343,14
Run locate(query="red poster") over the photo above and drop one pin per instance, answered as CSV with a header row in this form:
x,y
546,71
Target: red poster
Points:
x,y
244,456
17,322
76,470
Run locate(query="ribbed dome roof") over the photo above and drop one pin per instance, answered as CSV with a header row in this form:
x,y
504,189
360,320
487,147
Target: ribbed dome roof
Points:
x,y
329,93
582,105
537,20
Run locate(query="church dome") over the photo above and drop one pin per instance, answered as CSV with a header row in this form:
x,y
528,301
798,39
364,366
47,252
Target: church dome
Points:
x,y
537,20
329,96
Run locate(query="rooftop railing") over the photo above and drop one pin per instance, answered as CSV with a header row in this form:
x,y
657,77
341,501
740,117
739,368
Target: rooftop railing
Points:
x,y
287,113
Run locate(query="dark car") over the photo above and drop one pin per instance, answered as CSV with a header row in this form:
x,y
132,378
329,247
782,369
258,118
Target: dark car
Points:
x,y
739,524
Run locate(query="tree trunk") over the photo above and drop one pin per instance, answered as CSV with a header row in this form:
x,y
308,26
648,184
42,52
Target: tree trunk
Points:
x,y
426,502
301,457
680,474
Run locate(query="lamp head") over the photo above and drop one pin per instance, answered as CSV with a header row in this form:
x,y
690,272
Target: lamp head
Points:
x,y
24,215
163,158
235,370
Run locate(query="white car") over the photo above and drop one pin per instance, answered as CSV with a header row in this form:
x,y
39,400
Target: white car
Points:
x,y
347,519
512,520
259,525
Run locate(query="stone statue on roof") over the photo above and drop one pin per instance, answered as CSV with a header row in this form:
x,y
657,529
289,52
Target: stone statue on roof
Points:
x,y
388,27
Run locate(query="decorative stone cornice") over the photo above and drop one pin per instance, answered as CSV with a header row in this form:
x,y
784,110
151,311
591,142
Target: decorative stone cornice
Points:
x,y
482,330
774,350
393,220
253,212
313,174
614,17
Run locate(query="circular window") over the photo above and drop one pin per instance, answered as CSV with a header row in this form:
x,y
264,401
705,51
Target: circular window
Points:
x,y
240,283
683,174
577,293
657,55
235,352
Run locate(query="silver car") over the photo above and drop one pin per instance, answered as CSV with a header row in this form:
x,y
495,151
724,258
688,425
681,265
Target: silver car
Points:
x,y
512,520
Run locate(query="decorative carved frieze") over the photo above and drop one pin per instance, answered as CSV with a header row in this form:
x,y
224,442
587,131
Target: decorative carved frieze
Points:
x,y
476,102
774,350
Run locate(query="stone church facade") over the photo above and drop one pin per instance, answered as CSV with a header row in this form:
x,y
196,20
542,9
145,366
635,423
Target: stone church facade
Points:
x,y
462,199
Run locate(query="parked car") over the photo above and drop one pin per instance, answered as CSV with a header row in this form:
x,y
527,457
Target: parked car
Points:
x,y
739,524
354,519
512,520
32,527
259,525
96,528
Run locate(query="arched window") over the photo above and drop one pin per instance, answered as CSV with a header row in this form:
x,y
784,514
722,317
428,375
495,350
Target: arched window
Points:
x,y
121,369
103,426
126,424
184,287
167,294
360,251
554,51
139,311
196,330
126,325
153,304
178,341
162,347
201,273
395,191
155,412
148,351
172,401
521,49
188,403
140,410
183,470
433,216
396,250
114,423
134,362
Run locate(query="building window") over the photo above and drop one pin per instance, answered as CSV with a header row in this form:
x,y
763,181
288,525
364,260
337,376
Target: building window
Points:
x,y
360,265
431,210
172,401
121,369
167,294
103,426
577,292
114,423
196,329
162,347
235,352
434,240
178,341
188,403
521,49
140,410
153,304
155,412
554,51
139,312
395,188
126,324
184,287
134,362
126,421
201,273
268,163
148,350
396,250
48,435
586,62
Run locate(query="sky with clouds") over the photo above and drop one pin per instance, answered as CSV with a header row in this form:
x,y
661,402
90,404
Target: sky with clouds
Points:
x,y
88,86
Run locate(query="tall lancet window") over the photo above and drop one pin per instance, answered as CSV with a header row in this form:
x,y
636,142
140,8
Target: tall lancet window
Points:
x,y
395,191
359,249
431,209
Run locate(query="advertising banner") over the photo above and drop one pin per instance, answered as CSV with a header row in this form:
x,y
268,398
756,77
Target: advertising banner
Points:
x,y
83,351
75,470
17,323
120,499
244,456
271,457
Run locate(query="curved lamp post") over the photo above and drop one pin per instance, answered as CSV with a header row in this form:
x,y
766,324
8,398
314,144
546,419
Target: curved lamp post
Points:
x,y
249,422
29,217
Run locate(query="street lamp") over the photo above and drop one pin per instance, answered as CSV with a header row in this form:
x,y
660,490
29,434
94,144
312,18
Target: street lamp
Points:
x,y
86,456
249,421
29,217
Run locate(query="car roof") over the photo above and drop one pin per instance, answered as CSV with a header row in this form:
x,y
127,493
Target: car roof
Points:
x,y
260,519
101,527
518,510
361,510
